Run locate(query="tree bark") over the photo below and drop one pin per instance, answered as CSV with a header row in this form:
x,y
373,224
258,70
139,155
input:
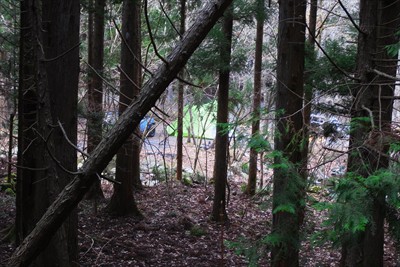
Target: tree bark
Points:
x,y
255,125
308,91
109,145
95,95
379,21
218,213
288,183
61,34
179,137
128,157
47,95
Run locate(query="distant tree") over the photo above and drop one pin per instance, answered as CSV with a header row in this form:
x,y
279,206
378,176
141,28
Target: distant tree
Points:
x,y
370,133
221,139
95,93
289,185
179,138
9,36
128,157
310,59
47,117
256,114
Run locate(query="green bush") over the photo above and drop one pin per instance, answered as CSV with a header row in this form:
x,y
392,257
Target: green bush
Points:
x,y
197,230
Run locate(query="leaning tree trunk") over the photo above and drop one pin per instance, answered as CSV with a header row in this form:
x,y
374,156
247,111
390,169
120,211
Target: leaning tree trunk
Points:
x,y
221,139
255,124
289,185
128,157
67,200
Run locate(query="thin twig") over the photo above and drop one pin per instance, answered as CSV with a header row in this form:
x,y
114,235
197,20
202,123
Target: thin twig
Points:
x,y
101,77
69,141
146,15
169,19
329,58
188,83
130,50
129,79
45,140
371,115
385,75
62,54
350,17
108,179
100,252
29,168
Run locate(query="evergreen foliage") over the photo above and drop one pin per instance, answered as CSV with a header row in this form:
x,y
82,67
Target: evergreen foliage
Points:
x,y
327,79
351,212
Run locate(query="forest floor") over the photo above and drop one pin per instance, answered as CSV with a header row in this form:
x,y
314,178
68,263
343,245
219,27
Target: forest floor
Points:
x,y
176,231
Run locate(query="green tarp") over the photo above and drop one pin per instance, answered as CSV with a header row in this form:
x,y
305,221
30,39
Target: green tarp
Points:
x,y
200,119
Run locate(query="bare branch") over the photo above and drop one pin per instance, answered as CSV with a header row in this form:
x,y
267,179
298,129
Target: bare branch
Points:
x,y
146,15
62,54
69,141
380,73
350,17
329,58
130,50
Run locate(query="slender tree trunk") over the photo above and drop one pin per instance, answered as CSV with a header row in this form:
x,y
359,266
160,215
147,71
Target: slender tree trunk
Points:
x,y
179,138
221,139
90,31
128,157
308,92
289,185
255,126
95,95
71,195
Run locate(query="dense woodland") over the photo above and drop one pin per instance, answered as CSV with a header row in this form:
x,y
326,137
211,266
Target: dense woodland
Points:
x,y
202,133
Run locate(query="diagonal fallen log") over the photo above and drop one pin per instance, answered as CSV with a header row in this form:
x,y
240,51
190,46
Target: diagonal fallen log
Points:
x,y
72,194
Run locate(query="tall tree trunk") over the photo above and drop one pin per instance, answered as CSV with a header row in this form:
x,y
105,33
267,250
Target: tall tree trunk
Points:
x,y
179,138
373,99
48,96
27,100
255,125
95,93
312,22
61,35
352,251
310,53
388,26
90,31
128,157
308,91
221,139
288,183
71,195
